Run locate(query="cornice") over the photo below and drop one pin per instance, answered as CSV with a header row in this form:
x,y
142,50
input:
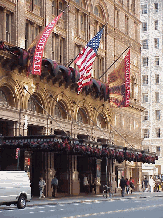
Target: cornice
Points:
x,y
34,18
8,5
58,30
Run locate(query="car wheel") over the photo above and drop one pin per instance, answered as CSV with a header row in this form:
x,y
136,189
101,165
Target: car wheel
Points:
x,y
21,202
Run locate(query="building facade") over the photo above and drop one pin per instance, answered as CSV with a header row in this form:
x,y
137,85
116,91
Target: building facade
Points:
x,y
49,104
151,16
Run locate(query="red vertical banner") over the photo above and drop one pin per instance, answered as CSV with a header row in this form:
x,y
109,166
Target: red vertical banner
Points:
x,y
127,76
37,47
119,84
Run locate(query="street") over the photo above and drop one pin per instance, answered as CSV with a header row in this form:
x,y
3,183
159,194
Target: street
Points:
x,y
145,205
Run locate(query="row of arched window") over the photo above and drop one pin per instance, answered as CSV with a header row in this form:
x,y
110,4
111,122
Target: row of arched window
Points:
x,y
60,110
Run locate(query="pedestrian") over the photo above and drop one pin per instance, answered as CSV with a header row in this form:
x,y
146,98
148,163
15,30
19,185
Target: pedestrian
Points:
x,y
132,184
151,183
86,184
123,184
146,184
127,186
54,184
41,187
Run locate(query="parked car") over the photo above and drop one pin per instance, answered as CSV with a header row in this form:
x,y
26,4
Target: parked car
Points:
x,y
14,188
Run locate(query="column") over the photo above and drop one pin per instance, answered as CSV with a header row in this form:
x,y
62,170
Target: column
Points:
x,y
75,189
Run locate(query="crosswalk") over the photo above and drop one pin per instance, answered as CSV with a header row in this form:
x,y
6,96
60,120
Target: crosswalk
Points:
x,y
52,208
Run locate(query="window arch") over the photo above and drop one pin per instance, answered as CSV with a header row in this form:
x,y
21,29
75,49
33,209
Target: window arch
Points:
x,y
7,96
77,1
60,110
3,98
82,116
98,12
101,121
33,105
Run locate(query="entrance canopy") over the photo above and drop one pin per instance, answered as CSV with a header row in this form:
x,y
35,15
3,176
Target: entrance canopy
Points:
x,y
63,144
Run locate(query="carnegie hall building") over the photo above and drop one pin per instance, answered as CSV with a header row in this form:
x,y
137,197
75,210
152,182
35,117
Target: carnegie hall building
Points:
x,y
45,127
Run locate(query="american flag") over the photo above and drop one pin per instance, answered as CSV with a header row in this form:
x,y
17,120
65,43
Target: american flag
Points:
x,y
86,58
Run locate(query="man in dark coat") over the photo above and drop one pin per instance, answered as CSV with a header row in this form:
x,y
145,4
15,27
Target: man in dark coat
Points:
x,y
123,184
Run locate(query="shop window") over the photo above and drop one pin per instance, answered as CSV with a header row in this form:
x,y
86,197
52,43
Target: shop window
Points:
x,y
144,9
145,79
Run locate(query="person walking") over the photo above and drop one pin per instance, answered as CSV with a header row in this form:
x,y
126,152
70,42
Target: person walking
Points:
x,y
123,184
54,184
132,184
146,184
127,186
41,187
151,184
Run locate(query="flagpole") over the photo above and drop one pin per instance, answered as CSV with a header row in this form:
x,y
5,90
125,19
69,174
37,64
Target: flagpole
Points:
x,y
78,54
114,62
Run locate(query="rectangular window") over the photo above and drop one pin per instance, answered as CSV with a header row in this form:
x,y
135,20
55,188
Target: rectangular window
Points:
x,y
145,44
144,26
156,61
8,22
146,133
158,114
126,24
157,97
145,61
158,133
156,24
146,116
158,150
156,7
145,97
156,42
157,78
61,51
144,9
26,35
145,79
54,7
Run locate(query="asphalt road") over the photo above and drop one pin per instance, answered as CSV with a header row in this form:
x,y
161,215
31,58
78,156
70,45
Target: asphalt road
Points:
x,y
149,207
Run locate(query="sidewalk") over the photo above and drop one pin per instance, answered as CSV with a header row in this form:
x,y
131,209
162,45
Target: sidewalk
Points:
x,y
85,198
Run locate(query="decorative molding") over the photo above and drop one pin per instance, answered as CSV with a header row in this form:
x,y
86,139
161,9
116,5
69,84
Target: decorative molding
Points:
x,y
8,5
34,18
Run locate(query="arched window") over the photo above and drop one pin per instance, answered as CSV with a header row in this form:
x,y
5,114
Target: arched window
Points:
x,y
101,121
82,116
3,99
77,1
96,11
60,110
33,105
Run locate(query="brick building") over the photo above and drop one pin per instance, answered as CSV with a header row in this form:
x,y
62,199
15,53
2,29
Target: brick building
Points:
x,y
86,116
